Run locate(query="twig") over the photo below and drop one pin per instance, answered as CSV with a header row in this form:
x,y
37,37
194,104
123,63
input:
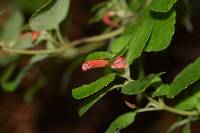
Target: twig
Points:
x,y
60,49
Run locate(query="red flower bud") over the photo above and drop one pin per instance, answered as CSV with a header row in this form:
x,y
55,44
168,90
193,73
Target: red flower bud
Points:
x,y
107,19
94,64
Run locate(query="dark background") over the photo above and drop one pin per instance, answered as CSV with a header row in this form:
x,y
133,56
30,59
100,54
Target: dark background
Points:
x,y
55,112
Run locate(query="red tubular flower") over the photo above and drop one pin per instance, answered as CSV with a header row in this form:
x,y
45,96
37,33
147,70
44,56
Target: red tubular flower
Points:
x,y
91,64
107,19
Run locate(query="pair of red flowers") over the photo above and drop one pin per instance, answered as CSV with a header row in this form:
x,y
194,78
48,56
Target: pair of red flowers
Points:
x,y
118,64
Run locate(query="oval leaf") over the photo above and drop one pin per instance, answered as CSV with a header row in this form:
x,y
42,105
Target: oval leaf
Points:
x,y
190,102
163,30
120,42
162,5
138,41
161,90
51,18
12,27
12,85
187,104
86,90
90,102
24,42
186,77
121,122
139,86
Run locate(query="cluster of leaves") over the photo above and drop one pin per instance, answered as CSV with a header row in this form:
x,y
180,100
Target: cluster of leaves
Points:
x,y
145,26
16,38
151,29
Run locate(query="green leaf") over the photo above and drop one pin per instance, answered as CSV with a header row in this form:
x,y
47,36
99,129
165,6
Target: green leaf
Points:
x,y
12,27
162,5
99,55
187,104
140,85
163,30
24,42
90,102
86,90
5,76
186,77
121,122
98,16
138,41
87,106
10,86
190,102
32,90
29,7
161,90
186,128
37,58
51,18
119,43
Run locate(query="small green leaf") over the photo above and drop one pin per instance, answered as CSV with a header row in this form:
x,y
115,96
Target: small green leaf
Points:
x,y
187,104
120,42
121,122
98,16
186,128
162,5
51,18
12,27
140,85
32,90
138,41
37,58
190,102
24,42
186,77
90,102
161,90
86,90
5,76
163,30
99,55
10,86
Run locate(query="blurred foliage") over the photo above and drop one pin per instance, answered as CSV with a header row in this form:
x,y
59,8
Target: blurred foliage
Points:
x,y
31,30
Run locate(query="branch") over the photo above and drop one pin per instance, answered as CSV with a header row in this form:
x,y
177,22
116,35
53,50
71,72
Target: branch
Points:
x,y
60,49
